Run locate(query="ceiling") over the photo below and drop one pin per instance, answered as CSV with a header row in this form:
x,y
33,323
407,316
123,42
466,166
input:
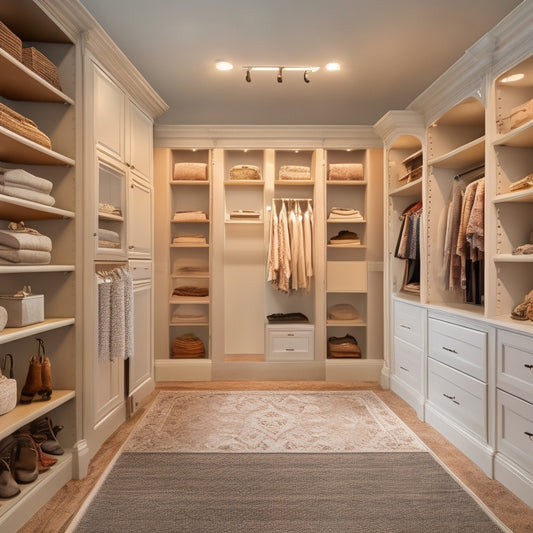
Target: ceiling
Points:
x,y
389,52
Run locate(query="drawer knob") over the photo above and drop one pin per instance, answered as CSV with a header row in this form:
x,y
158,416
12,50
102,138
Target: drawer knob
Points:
x,y
405,327
452,398
530,435
529,366
289,350
449,349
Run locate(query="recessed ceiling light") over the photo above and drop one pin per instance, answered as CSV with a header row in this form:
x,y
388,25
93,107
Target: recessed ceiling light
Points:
x,y
223,65
513,77
333,66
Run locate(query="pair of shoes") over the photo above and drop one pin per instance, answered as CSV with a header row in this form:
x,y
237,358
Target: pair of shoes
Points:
x,y
44,433
524,311
8,485
18,464
44,461
39,378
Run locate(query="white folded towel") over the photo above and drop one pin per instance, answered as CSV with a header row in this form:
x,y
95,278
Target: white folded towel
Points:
x,y
21,240
27,194
18,177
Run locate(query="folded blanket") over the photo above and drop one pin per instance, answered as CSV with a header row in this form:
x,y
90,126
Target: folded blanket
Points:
x,y
25,240
187,290
190,171
292,172
346,214
189,313
345,171
17,177
245,172
109,209
27,194
245,214
34,257
192,238
189,216
108,235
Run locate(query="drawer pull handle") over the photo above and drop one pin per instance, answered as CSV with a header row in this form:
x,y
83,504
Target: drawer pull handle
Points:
x,y
403,368
452,398
529,366
530,435
449,349
290,334
405,327
289,349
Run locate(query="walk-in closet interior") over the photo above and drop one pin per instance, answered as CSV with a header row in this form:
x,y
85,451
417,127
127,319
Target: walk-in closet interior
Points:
x,y
134,251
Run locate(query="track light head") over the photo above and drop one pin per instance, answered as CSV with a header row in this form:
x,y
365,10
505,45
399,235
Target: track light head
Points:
x,y
248,76
306,76
280,75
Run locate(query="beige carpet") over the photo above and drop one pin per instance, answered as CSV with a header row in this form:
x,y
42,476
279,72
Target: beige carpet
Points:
x,y
271,422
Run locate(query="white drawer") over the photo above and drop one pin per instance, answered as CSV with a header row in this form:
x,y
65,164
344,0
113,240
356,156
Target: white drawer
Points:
x,y
408,362
140,269
461,397
515,429
458,346
515,364
290,343
409,323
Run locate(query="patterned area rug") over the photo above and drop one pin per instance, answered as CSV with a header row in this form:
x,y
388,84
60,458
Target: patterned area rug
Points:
x,y
271,422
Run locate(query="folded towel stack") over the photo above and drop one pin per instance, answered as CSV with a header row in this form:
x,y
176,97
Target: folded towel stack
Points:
x,y
345,171
190,171
345,214
109,209
293,172
189,314
21,184
345,237
245,172
189,238
108,238
189,216
21,245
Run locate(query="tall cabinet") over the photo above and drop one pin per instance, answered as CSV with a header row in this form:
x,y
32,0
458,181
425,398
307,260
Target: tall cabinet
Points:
x,y
55,111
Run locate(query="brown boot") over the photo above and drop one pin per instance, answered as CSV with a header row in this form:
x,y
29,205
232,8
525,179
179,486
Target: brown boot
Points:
x,y
25,469
33,382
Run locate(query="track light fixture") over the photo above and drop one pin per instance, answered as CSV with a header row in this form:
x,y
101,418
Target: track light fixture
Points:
x,y
279,70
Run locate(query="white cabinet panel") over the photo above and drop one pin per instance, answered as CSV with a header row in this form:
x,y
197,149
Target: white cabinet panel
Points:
x,y
139,220
460,347
515,364
408,364
109,115
140,156
409,323
460,397
108,387
515,429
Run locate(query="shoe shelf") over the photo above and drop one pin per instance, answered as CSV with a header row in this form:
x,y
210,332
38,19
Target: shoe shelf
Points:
x,y
13,334
25,413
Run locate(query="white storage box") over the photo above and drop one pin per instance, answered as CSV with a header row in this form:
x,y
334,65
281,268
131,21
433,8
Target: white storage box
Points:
x,y
290,342
23,311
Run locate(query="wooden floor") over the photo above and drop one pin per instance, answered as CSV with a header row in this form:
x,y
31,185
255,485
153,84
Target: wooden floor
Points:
x,y
518,517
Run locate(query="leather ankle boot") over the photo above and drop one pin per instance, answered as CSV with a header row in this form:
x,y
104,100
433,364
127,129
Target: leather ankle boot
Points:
x,y
25,468
45,433
33,382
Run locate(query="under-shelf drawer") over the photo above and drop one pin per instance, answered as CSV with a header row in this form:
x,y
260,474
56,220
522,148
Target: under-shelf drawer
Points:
x,y
515,429
515,364
290,342
409,323
459,396
408,364
458,346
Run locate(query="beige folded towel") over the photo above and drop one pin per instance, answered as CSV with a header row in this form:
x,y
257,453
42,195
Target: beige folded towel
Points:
x,y
27,194
345,171
294,172
22,240
17,177
190,171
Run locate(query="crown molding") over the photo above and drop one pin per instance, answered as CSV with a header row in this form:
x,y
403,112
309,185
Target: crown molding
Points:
x,y
395,123
268,136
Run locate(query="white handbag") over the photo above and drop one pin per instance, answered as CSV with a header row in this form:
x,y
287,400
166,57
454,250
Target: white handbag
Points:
x,y
8,386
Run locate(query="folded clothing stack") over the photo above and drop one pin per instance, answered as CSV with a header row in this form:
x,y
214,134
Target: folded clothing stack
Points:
x,y
245,172
188,290
108,238
343,347
287,318
22,245
345,213
19,183
109,209
343,312
187,346
189,216
345,171
22,125
189,313
189,238
293,172
190,171
245,214
345,237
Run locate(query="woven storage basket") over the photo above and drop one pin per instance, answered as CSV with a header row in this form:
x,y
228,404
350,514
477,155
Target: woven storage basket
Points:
x,y
41,65
188,346
10,42
22,125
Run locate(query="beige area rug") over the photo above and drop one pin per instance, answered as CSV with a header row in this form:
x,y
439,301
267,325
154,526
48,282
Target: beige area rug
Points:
x,y
271,422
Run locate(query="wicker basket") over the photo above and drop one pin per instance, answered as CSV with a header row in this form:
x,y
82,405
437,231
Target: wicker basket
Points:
x,y
188,346
22,125
41,65
10,42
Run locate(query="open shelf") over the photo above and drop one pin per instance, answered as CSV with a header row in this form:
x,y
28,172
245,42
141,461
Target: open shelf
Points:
x,y
462,157
18,209
13,334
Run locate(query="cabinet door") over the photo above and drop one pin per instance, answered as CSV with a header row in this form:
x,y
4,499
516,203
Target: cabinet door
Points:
x,y
140,143
139,220
140,364
108,387
109,115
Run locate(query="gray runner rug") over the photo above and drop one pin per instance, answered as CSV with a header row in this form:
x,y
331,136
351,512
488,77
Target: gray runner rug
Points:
x,y
406,492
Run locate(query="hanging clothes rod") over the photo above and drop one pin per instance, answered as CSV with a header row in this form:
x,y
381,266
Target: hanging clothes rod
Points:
x,y
292,199
466,172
